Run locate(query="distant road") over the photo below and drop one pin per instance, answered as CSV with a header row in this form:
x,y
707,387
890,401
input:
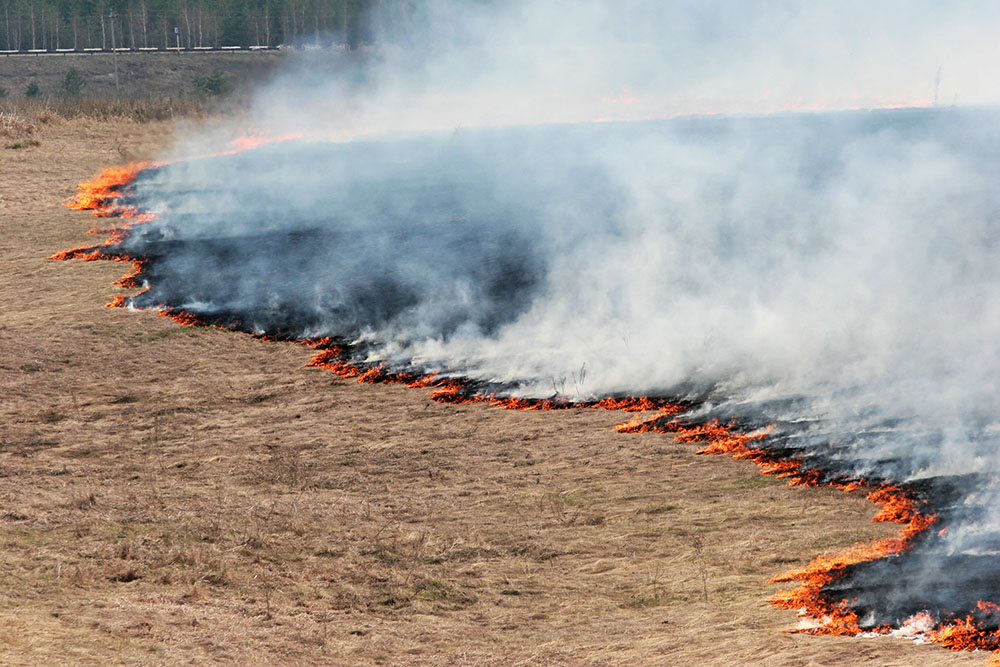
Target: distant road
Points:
x,y
90,52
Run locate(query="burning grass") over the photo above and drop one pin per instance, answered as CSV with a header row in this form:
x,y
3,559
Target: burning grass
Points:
x,y
201,495
824,615
821,614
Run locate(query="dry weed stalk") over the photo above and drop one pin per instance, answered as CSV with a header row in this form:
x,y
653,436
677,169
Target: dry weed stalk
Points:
x,y
15,125
699,548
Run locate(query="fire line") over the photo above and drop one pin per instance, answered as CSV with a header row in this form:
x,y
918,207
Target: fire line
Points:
x,y
105,196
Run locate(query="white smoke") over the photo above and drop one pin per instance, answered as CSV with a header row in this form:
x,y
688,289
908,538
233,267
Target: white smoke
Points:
x,y
440,65
444,64
838,269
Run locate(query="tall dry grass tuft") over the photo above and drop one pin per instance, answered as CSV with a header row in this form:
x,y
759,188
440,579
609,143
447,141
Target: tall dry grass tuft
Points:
x,y
15,125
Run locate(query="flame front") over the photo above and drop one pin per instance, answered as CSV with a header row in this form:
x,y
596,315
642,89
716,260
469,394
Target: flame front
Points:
x,y
100,192
103,197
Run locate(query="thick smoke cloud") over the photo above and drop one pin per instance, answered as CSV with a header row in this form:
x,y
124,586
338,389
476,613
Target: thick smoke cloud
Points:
x,y
834,273
440,65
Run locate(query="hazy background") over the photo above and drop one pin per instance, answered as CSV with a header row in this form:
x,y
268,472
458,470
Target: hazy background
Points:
x,y
446,64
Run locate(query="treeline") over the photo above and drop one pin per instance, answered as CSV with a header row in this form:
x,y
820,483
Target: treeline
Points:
x,y
52,25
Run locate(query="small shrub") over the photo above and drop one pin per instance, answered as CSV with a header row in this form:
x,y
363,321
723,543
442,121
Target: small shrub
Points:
x,y
3,92
32,90
214,85
28,143
654,599
72,84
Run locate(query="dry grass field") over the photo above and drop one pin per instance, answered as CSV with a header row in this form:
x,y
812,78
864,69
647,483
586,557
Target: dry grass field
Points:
x,y
148,75
175,495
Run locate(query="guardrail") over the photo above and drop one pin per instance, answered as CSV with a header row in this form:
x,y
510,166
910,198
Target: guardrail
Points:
x,y
122,49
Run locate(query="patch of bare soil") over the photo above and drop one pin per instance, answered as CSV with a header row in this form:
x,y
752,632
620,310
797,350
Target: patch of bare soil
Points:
x,y
177,495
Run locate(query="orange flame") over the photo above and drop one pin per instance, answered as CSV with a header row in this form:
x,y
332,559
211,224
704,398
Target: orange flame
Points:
x,y
99,195
968,634
456,390
250,140
91,195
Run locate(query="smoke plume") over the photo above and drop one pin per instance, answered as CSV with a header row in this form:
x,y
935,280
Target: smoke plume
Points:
x,y
453,206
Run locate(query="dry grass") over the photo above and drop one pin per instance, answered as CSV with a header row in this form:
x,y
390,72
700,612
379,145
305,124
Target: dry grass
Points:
x,y
140,75
32,113
15,124
152,87
177,495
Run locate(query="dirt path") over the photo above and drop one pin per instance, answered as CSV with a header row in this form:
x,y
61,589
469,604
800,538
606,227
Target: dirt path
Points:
x,y
173,495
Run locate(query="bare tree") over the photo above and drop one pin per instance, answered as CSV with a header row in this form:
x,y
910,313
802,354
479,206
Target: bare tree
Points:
x,y
6,14
267,25
142,8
